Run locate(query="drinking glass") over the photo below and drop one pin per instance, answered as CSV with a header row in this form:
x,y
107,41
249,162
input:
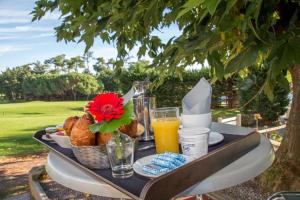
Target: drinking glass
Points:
x,y
165,124
120,150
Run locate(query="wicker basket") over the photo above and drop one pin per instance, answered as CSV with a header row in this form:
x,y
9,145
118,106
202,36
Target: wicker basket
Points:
x,y
93,157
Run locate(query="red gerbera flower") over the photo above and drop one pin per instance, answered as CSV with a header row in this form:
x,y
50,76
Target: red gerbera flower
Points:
x,y
106,106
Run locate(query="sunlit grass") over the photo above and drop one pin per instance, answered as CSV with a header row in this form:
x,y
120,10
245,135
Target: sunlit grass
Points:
x,y
224,113
19,121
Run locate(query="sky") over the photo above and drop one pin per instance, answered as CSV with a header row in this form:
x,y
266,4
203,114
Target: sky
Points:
x,y
23,41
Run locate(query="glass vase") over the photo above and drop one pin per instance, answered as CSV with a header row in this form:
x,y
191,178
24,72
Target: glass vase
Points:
x,y
120,150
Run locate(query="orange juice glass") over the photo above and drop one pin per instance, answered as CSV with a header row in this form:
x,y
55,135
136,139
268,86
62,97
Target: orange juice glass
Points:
x,y
165,123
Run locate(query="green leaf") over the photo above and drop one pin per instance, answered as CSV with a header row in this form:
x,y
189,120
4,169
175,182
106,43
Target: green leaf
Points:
x,y
294,53
211,5
268,89
283,55
269,85
215,62
244,59
255,32
94,128
114,124
230,4
189,5
282,80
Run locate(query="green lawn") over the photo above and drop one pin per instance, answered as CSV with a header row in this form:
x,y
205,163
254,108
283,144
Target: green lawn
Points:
x,y
19,121
224,113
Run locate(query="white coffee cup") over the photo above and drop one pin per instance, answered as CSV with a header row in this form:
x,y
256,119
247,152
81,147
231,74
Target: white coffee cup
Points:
x,y
198,120
194,141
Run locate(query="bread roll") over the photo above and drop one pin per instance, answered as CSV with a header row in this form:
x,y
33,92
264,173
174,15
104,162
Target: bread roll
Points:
x,y
69,123
81,134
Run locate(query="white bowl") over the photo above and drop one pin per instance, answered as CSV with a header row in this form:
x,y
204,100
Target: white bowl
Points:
x,y
61,140
194,141
193,121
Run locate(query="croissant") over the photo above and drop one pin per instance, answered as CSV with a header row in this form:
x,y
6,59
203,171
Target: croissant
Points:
x,y
130,129
81,134
69,123
103,138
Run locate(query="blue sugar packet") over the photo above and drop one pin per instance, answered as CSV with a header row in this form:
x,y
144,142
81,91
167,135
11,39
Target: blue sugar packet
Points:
x,y
163,163
177,156
170,159
154,169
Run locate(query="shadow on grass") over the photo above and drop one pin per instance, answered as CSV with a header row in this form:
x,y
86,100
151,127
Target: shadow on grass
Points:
x,y
19,145
81,109
38,128
31,113
13,102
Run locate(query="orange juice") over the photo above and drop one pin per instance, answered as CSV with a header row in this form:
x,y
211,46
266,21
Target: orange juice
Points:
x,y
166,134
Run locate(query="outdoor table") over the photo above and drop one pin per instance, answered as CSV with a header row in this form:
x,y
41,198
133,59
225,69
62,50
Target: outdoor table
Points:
x,y
246,167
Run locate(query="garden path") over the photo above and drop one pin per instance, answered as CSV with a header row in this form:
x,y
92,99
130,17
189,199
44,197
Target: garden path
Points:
x,y
13,174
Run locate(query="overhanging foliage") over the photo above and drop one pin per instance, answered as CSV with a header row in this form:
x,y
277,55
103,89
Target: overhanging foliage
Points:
x,y
231,34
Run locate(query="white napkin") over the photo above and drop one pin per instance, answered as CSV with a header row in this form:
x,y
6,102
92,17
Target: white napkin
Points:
x,y
128,96
198,100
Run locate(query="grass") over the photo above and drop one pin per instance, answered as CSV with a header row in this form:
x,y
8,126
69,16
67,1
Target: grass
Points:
x,y
19,121
224,113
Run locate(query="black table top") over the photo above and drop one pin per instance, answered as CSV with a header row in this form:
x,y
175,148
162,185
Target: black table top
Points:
x,y
135,183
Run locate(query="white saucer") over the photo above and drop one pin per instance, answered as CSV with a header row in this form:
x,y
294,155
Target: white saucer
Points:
x,y
138,165
215,138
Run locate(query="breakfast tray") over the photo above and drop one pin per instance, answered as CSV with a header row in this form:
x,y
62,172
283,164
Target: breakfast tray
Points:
x,y
237,142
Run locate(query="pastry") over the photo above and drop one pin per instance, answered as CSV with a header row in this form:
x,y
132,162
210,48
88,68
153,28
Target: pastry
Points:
x,y
103,138
130,129
81,134
69,123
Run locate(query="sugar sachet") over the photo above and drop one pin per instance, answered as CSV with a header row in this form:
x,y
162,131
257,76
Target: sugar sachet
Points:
x,y
175,161
179,157
154,169
163,163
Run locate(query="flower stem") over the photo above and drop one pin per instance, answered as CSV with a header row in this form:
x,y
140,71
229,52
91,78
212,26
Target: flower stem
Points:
x,y
119,148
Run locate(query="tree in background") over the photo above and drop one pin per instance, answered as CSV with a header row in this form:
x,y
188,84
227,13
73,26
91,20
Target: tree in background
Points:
x,y
231,35
11,82
65,87
252,101
83,84
70,65
225,92
87,57
165,97
135,71
78,62
39,67
106,75
58,64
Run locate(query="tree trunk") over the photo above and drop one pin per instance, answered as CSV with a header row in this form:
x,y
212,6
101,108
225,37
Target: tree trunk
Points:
x,y
74,94
285,171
